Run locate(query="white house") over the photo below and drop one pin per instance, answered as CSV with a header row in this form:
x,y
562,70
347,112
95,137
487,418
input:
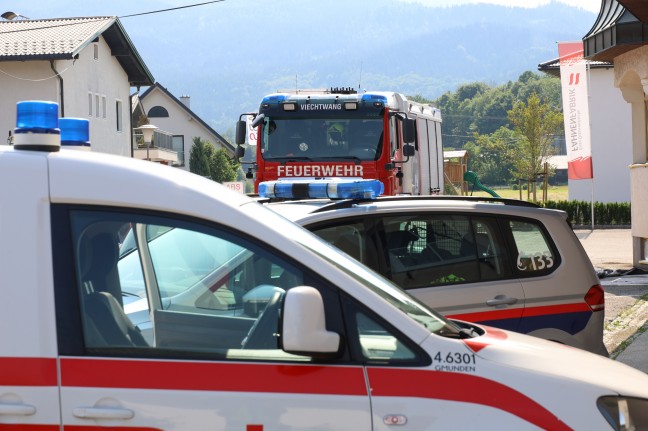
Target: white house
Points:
x,y
619,36
611,139
175,116
87,65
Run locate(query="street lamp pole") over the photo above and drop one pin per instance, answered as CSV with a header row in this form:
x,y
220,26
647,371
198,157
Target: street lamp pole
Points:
x,y
147,132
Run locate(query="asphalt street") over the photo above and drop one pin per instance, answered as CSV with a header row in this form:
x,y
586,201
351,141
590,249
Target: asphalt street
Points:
x,y
626,294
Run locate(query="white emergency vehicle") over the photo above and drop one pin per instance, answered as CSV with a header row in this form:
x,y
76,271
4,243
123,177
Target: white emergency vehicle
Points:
x,y
498,262
254,324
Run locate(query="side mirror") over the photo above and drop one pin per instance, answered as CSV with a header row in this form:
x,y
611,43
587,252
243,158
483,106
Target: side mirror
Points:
x,y
409,130
303,327
241,131
408,150
255,301
239,152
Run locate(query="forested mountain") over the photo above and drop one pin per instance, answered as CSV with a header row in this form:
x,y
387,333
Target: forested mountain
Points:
x,y
227,55
492,124
480,108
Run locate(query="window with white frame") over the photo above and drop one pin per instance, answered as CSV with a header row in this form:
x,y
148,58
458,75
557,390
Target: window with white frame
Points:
x,y
89,104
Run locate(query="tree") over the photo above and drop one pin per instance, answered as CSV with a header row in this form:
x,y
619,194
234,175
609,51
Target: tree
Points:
x,y
534,122
492,157
223,168
200,157
207,161
479,108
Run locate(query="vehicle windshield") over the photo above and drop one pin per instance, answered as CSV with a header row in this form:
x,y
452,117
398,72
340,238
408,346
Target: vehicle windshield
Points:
x,y
183,259
321,139
406,303
390,292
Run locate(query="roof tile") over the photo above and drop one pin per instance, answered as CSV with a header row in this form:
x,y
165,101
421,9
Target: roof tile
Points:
x,y
60,37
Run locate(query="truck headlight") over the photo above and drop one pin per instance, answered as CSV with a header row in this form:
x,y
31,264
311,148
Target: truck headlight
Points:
x,y
624,413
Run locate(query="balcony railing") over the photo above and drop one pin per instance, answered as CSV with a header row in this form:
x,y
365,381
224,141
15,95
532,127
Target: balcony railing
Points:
x,y
160,150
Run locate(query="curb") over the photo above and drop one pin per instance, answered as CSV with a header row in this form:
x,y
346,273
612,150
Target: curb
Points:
x,y
600,226
626,327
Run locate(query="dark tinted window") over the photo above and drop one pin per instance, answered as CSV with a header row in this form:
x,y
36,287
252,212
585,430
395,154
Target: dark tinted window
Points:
x,y
422,250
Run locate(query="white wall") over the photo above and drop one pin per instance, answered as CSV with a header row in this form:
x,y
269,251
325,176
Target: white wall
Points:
x,y
35,80
21,81
106,78
611,131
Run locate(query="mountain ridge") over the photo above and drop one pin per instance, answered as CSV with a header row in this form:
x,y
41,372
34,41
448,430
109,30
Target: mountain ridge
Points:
x,y
226,56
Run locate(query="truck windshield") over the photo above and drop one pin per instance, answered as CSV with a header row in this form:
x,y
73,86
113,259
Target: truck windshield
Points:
x,y
319,139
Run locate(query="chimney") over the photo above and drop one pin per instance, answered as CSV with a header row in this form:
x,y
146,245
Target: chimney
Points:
x,y
186,100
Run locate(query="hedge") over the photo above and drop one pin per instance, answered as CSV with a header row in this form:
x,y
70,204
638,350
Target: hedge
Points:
x,y
580,212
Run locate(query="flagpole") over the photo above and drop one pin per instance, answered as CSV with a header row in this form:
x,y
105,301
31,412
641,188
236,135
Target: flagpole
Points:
x,y
592,204
589,124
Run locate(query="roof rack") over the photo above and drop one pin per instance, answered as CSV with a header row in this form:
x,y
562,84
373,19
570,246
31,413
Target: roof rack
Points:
x,y
503,201
348,203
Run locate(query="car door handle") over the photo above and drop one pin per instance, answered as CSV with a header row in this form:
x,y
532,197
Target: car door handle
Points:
x,y
102,413
501,300
17,410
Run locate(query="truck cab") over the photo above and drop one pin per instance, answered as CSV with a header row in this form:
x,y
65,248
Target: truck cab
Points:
x,y
340,133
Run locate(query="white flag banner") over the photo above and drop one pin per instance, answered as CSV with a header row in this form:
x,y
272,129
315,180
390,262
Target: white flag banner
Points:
x,y
573,78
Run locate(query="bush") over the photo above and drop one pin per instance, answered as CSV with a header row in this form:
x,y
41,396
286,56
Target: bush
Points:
x,y
580,212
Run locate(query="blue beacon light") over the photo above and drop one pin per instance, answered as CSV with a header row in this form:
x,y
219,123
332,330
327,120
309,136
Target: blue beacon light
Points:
x,y
37,126
335,189
75,133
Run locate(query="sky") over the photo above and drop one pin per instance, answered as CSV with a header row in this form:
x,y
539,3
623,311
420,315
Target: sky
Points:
x,y
97,7
589,5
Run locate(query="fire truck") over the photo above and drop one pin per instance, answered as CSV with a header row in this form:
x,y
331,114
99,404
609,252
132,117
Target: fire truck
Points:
x,y
312,134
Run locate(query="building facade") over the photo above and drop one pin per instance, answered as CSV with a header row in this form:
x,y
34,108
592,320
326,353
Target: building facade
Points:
x,y
620,36
86,65
174,115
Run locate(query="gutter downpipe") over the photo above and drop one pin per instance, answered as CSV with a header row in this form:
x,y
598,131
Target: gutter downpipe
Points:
x,y
130,121
60,78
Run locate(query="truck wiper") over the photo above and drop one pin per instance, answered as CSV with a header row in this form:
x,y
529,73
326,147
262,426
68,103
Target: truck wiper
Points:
x,y
354,158
285,159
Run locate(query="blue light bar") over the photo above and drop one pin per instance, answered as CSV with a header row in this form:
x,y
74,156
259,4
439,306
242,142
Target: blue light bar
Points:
x,y
274,99
35,116
37,126
316,189
368,97
75,133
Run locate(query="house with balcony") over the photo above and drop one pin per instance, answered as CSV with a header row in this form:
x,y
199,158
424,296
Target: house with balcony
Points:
x,y
620,36
173,116
87,65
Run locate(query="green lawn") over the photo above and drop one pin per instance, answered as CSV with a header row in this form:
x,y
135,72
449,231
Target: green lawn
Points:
x,y
554,193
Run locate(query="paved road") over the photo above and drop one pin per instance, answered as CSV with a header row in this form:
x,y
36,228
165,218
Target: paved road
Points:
x,y
626,296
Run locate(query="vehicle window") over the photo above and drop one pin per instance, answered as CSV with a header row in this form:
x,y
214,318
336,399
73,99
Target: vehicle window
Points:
x,y
393,136
352,239
378,344
358,136
534,254
432,250
151,284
